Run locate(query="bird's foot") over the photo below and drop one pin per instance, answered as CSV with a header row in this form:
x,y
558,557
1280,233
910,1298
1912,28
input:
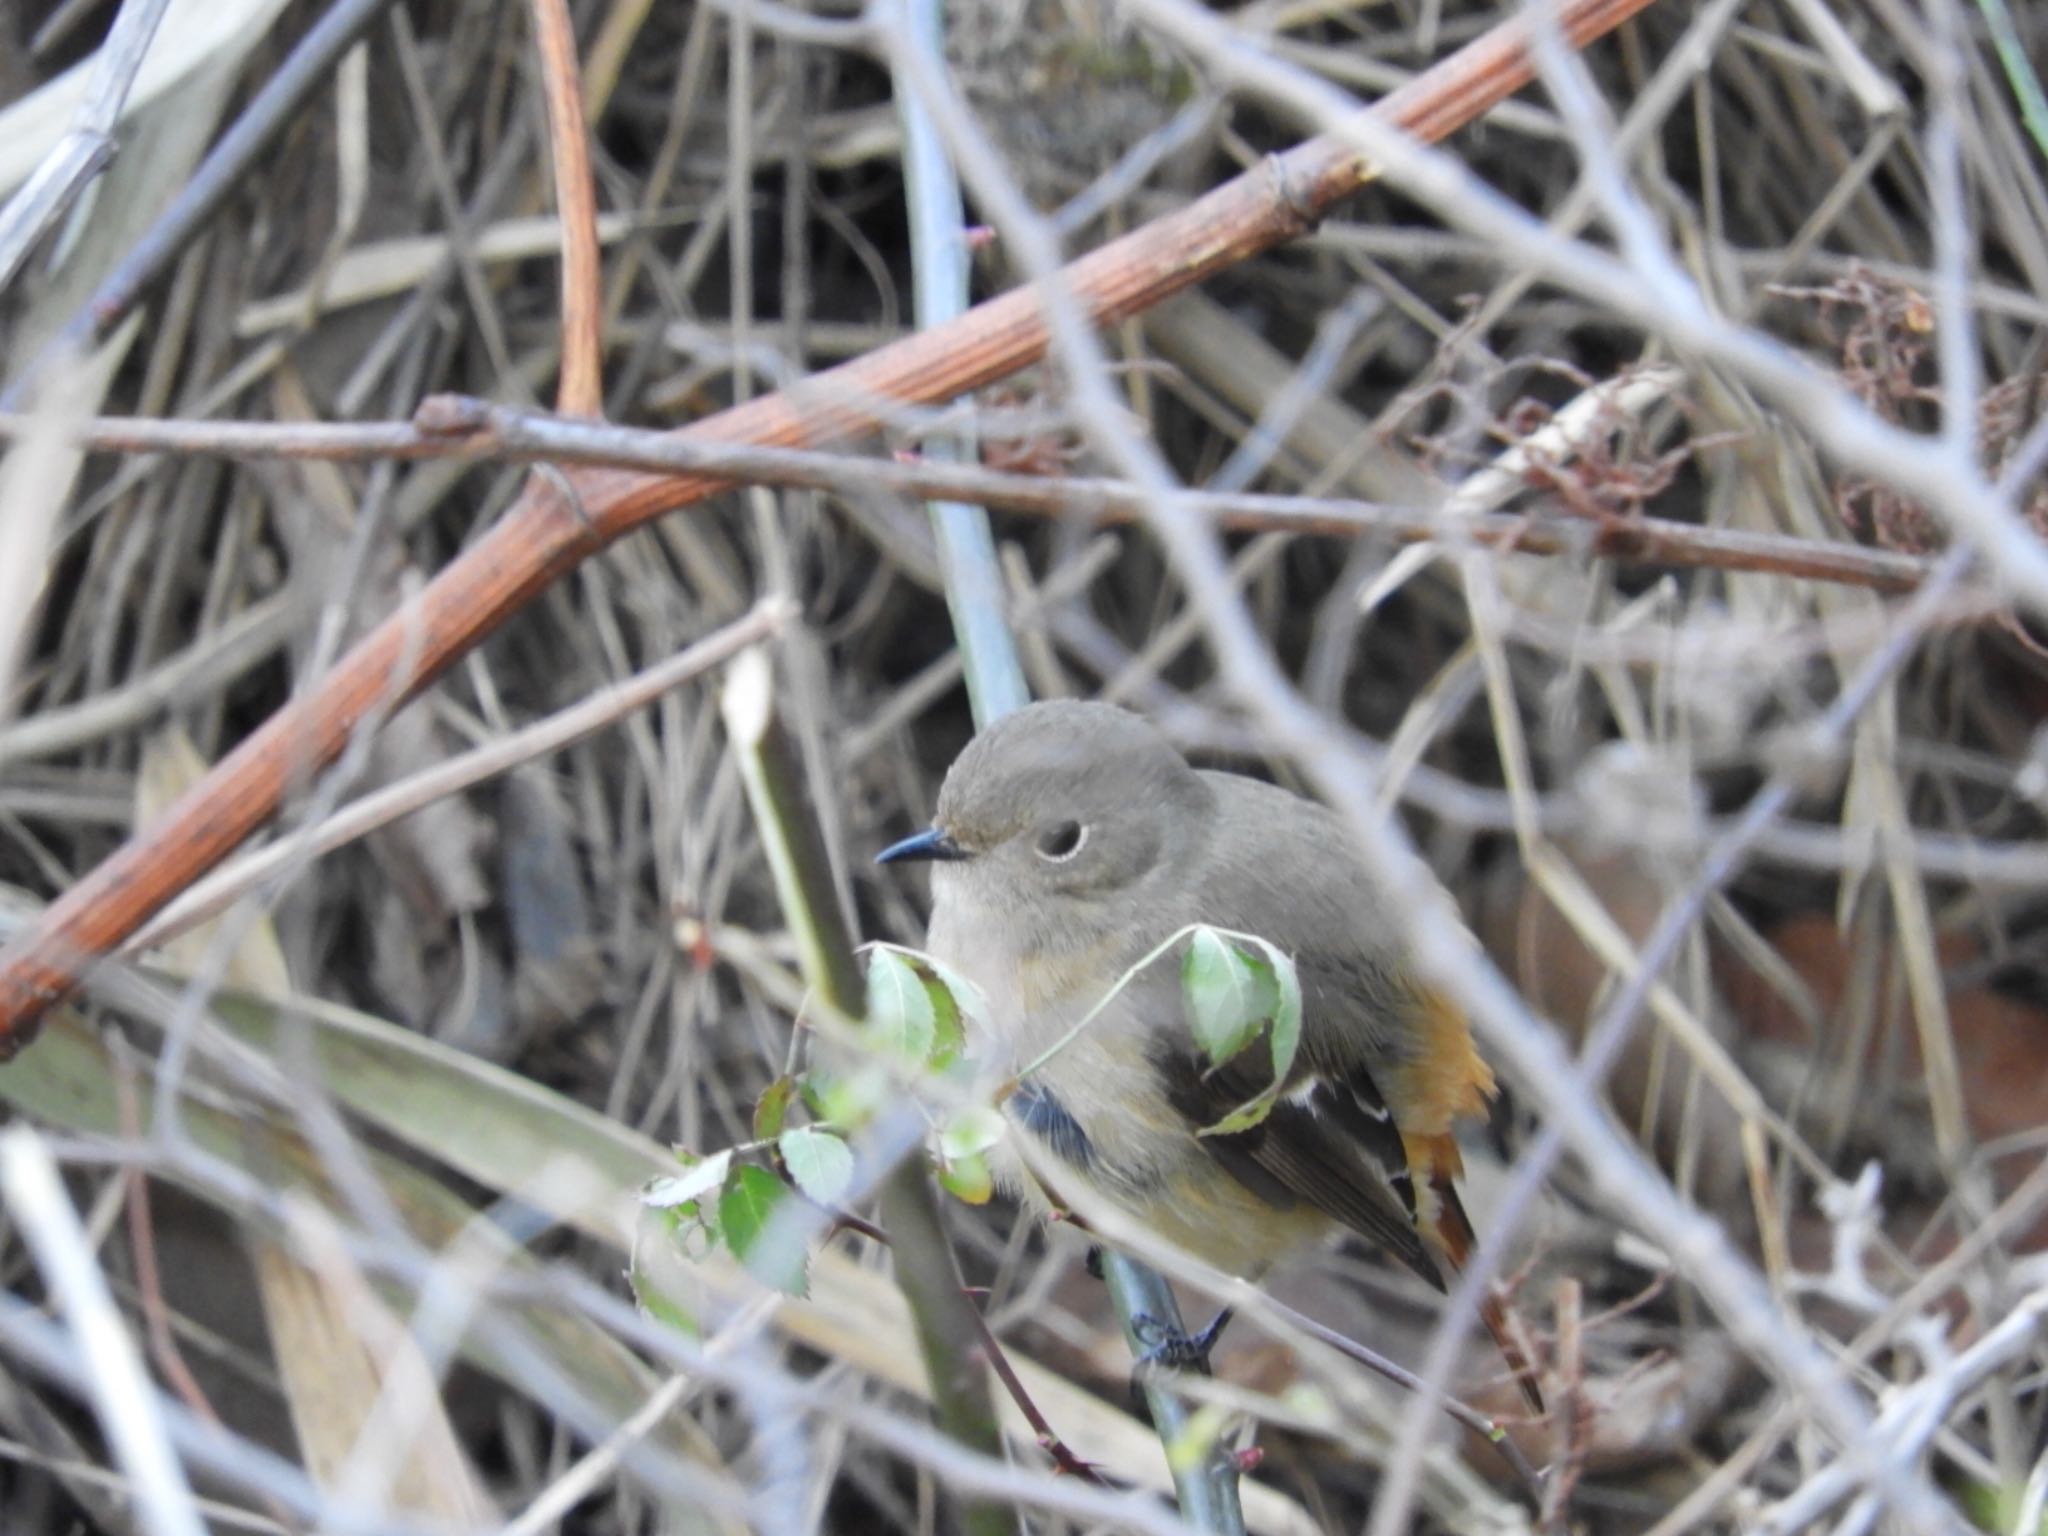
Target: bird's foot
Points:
x,y
1174,1349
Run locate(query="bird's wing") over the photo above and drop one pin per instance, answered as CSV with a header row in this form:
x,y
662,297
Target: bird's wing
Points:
x,y
1329,1142
1363,1129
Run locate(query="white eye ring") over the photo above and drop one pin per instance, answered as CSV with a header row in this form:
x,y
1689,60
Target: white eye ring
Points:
x,y
1038,845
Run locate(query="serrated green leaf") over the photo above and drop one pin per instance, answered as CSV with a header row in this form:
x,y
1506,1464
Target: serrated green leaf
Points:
x,y
955,1001
771,1250
662,1266
966,995
1287,1021
900,1014
1279,984
974,1129
1245,1116
660,1306
692,1184
820,1162
1222,996
772,1108
949,1038
1265,983
814,1088
1285,1010
967,1178
695,1230
851,1100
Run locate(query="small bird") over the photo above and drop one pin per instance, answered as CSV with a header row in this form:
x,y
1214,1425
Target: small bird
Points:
x,y
1070,840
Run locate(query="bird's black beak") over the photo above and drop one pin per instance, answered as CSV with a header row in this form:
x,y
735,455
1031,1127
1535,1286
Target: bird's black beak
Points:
x,y
928,844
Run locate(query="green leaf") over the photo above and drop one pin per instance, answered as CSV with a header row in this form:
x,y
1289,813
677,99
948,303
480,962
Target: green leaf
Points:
x,y
1265,984
772,1250
967,1178
974,1129
1243,1118
1285,1012
820,1162
815,1089
1223,996
662,1307
660,1268
696,1180
772,1108
853,1099
1280,984
901,1018
949,1038
966,995
953,1000
694,1229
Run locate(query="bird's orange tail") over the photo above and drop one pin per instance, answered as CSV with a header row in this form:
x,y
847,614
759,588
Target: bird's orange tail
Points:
x,y
1450,1230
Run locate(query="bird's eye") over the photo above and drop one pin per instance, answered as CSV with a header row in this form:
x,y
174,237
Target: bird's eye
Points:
x,y
1061,841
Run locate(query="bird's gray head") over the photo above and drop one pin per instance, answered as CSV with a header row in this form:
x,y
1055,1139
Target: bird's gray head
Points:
x,y
1062,798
